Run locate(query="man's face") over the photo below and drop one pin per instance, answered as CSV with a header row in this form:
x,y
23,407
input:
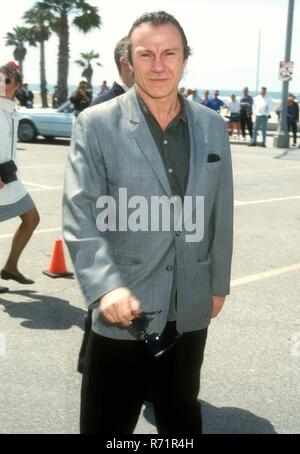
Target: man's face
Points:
x,y
263,91
157,59
245,91
8,86
216,94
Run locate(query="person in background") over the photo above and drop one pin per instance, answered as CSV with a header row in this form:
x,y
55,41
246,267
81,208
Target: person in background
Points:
x,y
194,96
292,117
126,78
233,107
182,91
81,98
55,104
103,87
216,103
262,108
246,104
206,99
14,198
25,97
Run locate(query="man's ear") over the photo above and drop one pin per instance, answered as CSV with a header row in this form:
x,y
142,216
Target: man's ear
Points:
x,y
125,60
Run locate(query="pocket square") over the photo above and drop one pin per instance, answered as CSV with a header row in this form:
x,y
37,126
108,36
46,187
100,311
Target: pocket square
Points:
x,y
213,158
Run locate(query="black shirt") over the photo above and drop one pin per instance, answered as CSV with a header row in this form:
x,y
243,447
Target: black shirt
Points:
x,y
173,144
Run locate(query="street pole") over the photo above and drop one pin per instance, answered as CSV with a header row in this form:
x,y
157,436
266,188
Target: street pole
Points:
x,y
258,60
281,138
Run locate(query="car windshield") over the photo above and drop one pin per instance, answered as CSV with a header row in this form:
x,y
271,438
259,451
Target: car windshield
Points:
x,y
66,107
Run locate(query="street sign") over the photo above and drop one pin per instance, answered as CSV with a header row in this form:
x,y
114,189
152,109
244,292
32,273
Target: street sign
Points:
x,y
286,70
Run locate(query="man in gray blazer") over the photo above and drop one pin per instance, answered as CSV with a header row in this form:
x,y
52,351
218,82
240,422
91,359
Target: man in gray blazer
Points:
x,y
148,214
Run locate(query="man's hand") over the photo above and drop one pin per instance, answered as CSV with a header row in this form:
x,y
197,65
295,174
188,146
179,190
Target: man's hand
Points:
x,y
218,302
119,306
1,184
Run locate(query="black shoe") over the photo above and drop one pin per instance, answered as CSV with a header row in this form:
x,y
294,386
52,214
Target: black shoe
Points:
x,y
252,144
4,289
6,276
263,145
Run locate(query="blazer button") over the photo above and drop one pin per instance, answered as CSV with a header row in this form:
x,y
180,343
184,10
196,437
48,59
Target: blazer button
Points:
x,y
178,233
169,268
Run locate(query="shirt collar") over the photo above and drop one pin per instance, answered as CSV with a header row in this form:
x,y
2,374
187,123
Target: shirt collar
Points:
x,y
180,116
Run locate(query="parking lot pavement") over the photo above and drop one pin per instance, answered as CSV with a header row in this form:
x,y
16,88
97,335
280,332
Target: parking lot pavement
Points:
x,y
251,374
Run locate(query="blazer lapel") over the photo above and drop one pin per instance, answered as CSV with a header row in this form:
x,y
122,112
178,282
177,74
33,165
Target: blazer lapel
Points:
x,y
140,131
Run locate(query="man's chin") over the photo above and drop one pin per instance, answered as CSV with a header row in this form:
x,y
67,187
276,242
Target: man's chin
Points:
x,y
159,93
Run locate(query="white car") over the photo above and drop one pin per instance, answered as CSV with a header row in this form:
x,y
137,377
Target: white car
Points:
x,y
49,123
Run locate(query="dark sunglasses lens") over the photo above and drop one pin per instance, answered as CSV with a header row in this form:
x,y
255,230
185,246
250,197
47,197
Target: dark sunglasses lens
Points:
x,y
7,81
154,344
139,324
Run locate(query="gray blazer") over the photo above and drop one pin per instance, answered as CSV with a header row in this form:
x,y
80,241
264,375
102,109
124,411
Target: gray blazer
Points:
x,y
112,148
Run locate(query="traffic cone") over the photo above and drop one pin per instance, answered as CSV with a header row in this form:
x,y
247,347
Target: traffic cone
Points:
x,y
57,266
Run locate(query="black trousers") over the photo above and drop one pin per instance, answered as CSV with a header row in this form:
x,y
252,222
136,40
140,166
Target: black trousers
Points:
x,y
292,125
118,374
246,121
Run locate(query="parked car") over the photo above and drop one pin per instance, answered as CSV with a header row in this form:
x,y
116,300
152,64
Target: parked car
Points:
x,y
49,123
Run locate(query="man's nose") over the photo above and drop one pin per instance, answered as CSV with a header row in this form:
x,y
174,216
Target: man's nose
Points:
x,y
158,65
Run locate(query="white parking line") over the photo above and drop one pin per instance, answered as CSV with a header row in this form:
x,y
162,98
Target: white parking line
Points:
x,y
42,186
253,202
52,188
37,232
264,275
279,169
42,166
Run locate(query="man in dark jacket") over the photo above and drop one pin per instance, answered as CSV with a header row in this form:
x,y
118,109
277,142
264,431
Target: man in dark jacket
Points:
x,y
126,76
25,97
293,118
81,98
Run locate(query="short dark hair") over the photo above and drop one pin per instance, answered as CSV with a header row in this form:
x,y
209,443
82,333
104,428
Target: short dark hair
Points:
x,y
121,51
11,71
158,18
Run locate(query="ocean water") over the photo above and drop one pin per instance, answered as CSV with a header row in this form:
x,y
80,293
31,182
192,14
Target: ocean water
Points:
x,y
276,95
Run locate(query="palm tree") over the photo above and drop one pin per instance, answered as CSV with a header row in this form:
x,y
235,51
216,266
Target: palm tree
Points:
x,y
85,62
39,18
85,17
17,38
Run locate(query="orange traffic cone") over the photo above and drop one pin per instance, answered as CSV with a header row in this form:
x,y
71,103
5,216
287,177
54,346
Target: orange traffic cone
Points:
x,y
57,266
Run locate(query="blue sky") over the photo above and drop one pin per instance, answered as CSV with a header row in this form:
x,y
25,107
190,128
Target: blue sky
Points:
x,y
223,35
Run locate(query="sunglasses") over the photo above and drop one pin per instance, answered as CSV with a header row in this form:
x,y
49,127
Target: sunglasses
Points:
x,y
157,344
